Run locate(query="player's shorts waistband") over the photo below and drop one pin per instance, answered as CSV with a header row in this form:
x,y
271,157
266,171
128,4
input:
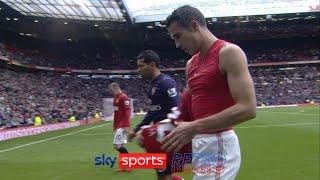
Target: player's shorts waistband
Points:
x,y
222,132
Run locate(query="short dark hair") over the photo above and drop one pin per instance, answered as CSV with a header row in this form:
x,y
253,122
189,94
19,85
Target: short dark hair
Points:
x,y
184,15
149,56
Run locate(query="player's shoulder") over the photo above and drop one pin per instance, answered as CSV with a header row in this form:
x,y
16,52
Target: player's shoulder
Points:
x,y
189,63
231,57
166,80
229,49
193,58
166,76
124,96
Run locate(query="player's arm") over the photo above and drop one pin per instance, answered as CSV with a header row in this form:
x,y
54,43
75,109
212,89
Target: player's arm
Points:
x,y
146,121
126,105
127,108
172,93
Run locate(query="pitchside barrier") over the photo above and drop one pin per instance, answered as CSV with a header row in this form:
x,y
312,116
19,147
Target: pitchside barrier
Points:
x,y
32,130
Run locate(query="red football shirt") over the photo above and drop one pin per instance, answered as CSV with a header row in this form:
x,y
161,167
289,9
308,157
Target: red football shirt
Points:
x,y
210,93
122,111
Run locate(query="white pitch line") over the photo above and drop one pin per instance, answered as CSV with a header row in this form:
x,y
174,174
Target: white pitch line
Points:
x,y
48,139
240,127
95,134
277,125
295,113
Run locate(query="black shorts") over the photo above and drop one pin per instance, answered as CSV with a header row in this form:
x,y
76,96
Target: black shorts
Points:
x,y
170,169
163,172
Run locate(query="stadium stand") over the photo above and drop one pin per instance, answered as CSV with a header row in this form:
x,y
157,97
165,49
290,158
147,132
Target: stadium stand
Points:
x,y
56,97
170,59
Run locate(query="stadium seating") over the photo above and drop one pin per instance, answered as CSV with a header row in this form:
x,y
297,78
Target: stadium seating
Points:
x,y
170,59
56,96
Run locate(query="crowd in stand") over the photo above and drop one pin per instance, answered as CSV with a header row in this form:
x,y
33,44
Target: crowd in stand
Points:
x,y
169,59
55,98
287,85
72,60
271,30
282,55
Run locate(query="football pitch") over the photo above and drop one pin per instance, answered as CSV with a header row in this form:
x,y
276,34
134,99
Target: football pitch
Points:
x,y
279,144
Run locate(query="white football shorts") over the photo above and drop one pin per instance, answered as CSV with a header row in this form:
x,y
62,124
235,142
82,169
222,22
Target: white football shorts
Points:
x,y
216,156
120,136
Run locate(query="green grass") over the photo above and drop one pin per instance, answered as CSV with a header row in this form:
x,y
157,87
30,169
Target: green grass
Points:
x,y
280,143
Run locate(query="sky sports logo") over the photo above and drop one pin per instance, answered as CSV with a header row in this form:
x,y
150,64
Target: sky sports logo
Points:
x,y
143,161
205,161
134,161
104,160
